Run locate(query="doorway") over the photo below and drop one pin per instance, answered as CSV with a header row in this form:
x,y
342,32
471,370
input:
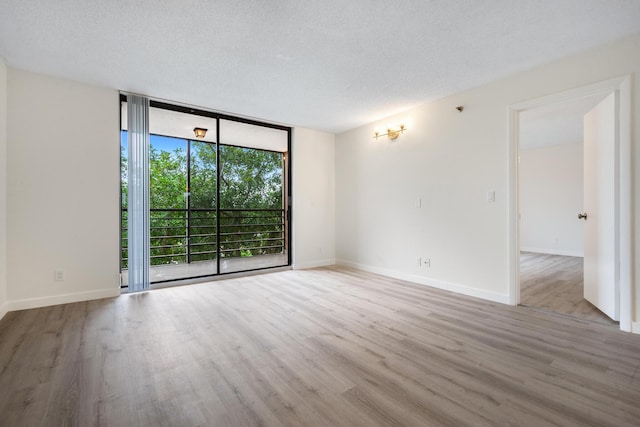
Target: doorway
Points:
x,y
551,184
557,247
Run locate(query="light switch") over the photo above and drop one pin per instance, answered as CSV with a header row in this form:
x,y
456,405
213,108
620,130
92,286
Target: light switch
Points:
x,y
491,196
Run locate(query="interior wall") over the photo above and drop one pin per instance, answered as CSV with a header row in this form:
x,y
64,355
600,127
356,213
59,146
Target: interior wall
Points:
x,y
551,196
63,190
3,187
313,198
423,196
451,160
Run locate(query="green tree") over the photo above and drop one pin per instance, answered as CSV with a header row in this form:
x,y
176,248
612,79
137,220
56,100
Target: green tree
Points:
x,y
251,182
250,179
167,200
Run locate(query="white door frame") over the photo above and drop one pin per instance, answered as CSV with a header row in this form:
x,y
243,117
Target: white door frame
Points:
x,y
622,85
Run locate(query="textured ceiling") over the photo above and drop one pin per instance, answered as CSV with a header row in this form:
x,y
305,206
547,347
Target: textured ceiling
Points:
x,y
331,65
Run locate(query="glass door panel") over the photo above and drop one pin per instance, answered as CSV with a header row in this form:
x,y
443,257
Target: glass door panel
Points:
x,y
203,208
252,227
168,203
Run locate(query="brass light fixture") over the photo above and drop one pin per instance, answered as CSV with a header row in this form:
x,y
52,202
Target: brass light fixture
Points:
x,y
200,132
391,133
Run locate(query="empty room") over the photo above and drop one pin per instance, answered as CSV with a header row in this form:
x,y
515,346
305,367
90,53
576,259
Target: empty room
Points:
x,y
243,213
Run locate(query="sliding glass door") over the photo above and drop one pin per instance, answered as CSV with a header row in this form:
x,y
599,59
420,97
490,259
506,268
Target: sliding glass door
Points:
x,y
215,207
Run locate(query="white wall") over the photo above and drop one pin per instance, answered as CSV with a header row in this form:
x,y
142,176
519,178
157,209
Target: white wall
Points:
x,y
445,161
3,187
451,160
63,190
551,191
313,155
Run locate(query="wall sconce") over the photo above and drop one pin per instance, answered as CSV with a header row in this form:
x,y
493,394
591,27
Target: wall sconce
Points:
x,y
200,132
391,133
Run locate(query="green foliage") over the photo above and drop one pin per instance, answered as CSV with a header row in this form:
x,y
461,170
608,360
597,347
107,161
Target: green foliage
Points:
x,y
250,179
123,176
203,175
167,179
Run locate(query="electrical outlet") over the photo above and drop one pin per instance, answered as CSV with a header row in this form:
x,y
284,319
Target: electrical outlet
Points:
x,y
58,275
426,262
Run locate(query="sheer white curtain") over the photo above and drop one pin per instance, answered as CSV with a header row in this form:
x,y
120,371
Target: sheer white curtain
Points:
x,y
138,182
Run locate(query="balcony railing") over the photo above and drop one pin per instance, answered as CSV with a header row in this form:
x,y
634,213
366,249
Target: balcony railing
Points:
x,y
191,235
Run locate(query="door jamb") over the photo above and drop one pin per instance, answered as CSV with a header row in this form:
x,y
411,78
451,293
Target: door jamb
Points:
x,y
621,85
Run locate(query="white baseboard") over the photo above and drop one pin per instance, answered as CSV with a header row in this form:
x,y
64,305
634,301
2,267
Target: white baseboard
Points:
x,y
552,251
4,309
453,287
24,304
313,264
635,327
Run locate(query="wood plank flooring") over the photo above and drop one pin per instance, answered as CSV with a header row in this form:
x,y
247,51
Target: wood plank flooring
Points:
x,y
555,283
321,347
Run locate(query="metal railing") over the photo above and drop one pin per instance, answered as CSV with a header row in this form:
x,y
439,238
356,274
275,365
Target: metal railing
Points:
x,y
190,235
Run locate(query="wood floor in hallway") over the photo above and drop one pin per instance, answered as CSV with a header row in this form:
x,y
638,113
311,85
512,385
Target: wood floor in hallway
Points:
x,y
320,347
554,283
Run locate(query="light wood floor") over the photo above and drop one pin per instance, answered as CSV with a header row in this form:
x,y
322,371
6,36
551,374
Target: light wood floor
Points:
x,y
555,283
331,346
